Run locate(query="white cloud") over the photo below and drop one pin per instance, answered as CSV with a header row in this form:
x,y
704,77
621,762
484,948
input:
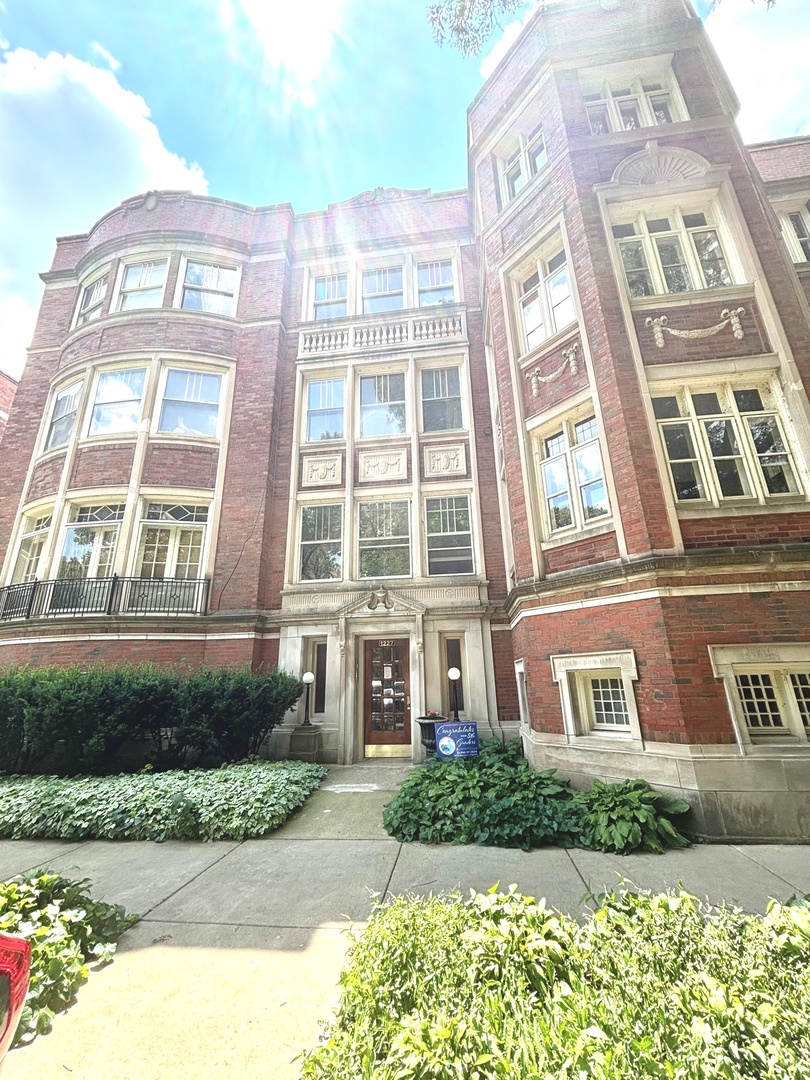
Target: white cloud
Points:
x,y
82,143
765,53
105,55
502,46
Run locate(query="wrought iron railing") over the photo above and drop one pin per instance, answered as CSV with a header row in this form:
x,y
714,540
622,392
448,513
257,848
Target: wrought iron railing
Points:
x,y
104,596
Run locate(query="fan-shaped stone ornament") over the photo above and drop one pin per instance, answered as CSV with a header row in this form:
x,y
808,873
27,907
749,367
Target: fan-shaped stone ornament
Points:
x,y
661,165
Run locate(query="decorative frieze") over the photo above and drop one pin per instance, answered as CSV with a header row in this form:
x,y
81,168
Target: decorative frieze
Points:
x,y
382,465
321,470
536,380
729,317
445,461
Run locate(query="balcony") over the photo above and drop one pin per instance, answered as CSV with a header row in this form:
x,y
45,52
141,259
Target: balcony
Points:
x,y
66,597
423,326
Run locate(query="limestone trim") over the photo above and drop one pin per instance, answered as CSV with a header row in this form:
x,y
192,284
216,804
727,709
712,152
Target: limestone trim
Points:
x,y
574,673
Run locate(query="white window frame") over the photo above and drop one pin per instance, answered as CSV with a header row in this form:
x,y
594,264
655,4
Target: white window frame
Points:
x,y
141,259
207,258
799,247
328,540
778,661
361,375
385,268
380,502
434,497
168,367
450,397
324,377
642,95
175,527
334,276
421,291
568,452
99,281
525,162
573,673
78,384
112,523
747,455
546,266
93,403
36,526
679,230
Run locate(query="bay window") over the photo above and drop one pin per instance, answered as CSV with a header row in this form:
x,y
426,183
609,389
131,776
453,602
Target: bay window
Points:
x,y
724,444
546,301
142,285
209,287
63,416
35,532
574,491
637,104
171,541
92,300
90,541
117,405
190,403
670,252
525,162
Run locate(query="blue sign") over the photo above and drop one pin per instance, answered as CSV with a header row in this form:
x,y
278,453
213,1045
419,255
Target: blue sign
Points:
x,y
457,740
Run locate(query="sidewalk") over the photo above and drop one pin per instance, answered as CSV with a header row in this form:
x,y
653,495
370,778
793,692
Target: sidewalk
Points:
x,y
237,956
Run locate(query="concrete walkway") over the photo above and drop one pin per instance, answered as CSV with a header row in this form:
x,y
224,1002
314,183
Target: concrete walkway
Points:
x,y
236,959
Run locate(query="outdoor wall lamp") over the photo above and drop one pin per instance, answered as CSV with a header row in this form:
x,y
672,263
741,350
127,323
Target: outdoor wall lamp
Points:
x,y
308,679
453,675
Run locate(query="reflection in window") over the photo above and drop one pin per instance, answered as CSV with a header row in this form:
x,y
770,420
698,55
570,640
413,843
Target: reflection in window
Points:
x,y
93,300
573,476
63,418
324,409
382,405
207,287
441,399
117,407
321,542
190,403
31,547
546,302
330,296
142,285
675,253
384,539
382,290
171,541
435,281
89,547
449,538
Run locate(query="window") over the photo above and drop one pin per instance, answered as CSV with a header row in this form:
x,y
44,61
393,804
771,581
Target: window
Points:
x,y
671,252
171,541
596,693
35,533
546,303
208,287
63,417
117,407
725,444
625,108
796,230
330,297
526,161
441,399
768,688
142,285
385,539
324,409
453,653
435,281
92,300
321,542
382,405
89,547
573,477
382,290
449,539
190,403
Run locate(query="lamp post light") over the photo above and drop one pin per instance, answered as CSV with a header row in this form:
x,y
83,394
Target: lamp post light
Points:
x,y
454,675
308,679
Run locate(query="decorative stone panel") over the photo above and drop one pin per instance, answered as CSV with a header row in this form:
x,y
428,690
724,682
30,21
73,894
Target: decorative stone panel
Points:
x,y
381,465
321,469
445,461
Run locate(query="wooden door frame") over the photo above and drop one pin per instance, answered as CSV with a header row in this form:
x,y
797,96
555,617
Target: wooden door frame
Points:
x,y
403,740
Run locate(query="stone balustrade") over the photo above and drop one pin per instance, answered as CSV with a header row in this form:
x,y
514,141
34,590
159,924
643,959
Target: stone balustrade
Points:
x,y
426,326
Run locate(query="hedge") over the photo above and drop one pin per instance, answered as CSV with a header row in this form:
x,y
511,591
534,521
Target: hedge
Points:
x,y
71,720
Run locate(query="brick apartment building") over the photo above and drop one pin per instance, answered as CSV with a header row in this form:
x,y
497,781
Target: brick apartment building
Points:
x,y
553,430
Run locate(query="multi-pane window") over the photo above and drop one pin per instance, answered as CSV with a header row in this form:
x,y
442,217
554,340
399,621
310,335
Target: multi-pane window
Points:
x,y
524,163
573,476
435,282
321,542
190,403
625,108
449,537
209,287
89,547
725,444
546,303
384,539
117,407
92,300
775,702
796,231
441,399
142,285
330,296
382,290
171,542
609,703
672,252
63,417
31,546
382,405
324,409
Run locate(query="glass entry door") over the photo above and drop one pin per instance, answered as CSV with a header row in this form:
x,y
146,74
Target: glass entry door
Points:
x,y
387,692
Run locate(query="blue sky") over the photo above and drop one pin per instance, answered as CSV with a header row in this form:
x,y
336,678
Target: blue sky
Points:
x,y
264,101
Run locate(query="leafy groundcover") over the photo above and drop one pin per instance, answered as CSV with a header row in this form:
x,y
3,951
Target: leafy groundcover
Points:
x,y
68,931
230,803
499,988
497,799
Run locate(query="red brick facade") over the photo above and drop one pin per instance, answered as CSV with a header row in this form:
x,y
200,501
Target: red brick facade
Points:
x,y
8,388
624,317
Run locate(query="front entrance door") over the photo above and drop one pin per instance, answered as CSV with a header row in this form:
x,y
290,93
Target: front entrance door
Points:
x,y
387,693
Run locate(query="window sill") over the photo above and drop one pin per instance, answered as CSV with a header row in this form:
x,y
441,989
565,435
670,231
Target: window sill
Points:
x,y
172,438
585,533
727,294
548,345
784,504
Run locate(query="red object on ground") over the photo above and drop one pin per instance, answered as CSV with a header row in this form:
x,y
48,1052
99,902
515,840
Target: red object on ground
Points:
x,y
15,964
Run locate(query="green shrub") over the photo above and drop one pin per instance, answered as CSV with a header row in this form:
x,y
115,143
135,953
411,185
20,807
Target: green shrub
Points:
x,y
72,720
648,988
68,931
497,799
231,803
